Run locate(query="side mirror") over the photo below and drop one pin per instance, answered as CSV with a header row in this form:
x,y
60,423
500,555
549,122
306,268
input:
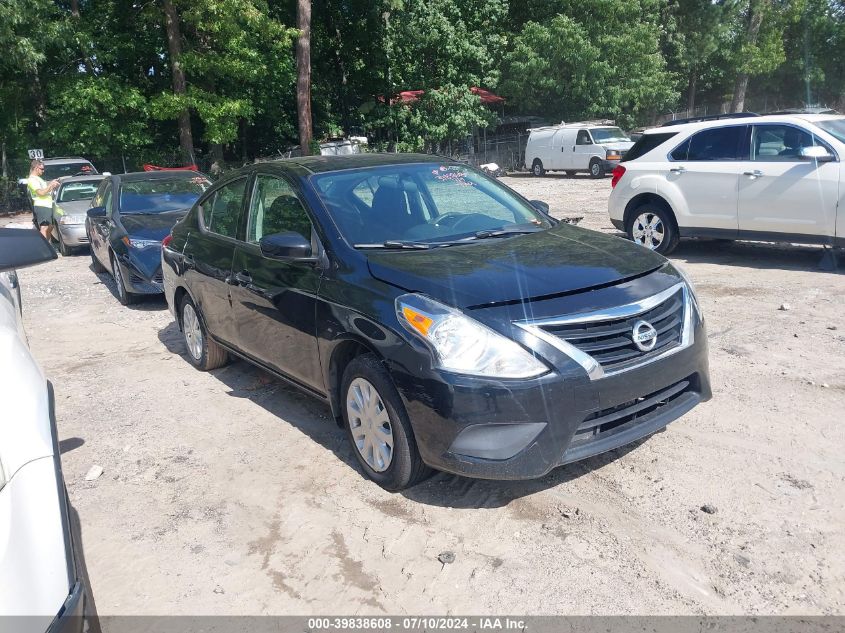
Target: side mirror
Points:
x,y
816,153
23,247
540,205
287,245
96,213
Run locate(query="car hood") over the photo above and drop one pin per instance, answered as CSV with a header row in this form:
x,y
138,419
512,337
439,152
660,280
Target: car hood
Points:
x,y
77,207
151,226
558,261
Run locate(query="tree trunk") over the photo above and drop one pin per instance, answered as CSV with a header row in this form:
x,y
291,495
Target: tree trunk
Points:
x,y
756,10
174,45
303,68
693,79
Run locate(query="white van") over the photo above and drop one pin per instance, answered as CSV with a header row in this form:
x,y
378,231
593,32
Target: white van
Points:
x,y
574,147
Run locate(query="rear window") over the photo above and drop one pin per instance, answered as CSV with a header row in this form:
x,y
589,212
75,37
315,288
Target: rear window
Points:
x,y
646,143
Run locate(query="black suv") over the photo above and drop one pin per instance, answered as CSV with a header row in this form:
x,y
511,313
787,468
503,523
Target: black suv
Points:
x,y
447,321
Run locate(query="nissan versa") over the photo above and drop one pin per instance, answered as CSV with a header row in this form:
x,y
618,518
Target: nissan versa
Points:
x,y
448,322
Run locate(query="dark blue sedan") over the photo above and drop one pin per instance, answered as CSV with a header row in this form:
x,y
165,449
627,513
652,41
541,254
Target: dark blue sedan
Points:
x,y
129,216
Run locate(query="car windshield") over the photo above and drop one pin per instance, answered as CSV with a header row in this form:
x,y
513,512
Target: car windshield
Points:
x,y
67,169
834,127
160,195
423,205
608,135
74,191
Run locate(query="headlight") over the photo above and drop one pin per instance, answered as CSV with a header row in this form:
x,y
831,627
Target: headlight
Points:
x,y
463,345
691,287
138,243
72,219
613,154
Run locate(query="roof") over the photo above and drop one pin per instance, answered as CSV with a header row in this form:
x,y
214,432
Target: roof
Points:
x,y
767,118
95,177
140,176
320,164
65,159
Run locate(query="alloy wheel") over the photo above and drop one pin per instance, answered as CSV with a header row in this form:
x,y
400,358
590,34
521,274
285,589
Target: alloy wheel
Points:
x,y
369,422
595,169
648,230
192,330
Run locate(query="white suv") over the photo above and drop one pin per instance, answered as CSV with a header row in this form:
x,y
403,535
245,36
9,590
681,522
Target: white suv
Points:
x,y
769,178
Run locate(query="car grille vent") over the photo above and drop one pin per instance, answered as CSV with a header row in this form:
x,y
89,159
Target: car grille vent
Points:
x,y
600,423
611,342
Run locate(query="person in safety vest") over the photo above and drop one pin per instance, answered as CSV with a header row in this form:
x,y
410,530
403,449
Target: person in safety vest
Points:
x,y
42,202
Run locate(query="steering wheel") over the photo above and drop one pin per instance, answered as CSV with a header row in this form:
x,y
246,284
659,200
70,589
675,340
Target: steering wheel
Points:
x,y
452,220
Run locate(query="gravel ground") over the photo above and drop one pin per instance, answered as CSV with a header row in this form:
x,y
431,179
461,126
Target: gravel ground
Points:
x,y
230,493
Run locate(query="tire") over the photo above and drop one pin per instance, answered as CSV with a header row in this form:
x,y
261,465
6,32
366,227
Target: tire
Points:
x,y
64,249
203,353
652,225
571,173
537,168
597,168
123,295
365,381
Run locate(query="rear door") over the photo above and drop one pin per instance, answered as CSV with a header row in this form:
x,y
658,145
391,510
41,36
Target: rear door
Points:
x,y
275,302
208,254
706,168
779,192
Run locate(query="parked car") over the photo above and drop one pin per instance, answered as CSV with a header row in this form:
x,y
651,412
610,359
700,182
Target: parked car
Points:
x,y
60,167
446,320
575,147
770,178
70,203
38,571
129,216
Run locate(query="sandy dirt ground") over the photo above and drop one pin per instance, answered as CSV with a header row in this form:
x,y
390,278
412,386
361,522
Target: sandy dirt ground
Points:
x,y
230,493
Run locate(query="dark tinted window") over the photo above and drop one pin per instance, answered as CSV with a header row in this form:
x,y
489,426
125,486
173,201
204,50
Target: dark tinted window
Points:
x,y
721,143
583,138
646,143
780,143
220,212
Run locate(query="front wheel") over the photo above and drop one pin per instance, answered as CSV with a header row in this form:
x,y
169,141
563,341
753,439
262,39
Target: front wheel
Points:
x,y
203,353
653,227
64,249
123,295
378,427
597,168
537,168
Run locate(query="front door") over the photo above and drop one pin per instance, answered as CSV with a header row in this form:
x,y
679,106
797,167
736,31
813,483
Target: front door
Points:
x,y
208,254
779,192
275,301
706,169
583,151
100,228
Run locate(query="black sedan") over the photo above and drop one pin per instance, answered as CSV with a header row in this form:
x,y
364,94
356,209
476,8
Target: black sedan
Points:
x,y
448,322
129,216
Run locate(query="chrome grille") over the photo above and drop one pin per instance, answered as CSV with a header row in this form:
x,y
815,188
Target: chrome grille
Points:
x,y
610,342
602,341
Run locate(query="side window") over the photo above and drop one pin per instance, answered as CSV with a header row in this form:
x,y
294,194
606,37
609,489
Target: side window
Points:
x,y
220,212
780,143
722,143
583,138
106,199
275,208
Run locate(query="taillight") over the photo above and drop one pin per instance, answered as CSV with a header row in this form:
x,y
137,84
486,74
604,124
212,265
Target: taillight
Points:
x,y
617,174
166,241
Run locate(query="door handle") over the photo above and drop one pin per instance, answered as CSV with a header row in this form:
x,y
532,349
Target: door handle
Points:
x,y
753,174
677,170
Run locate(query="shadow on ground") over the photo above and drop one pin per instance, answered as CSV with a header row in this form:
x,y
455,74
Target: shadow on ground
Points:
x,y
313,418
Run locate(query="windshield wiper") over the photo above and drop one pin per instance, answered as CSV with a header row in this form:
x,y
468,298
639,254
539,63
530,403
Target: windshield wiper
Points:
x,y
503,232
403,244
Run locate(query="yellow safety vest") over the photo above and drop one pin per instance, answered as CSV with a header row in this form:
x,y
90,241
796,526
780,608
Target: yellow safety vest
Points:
x,y
34,183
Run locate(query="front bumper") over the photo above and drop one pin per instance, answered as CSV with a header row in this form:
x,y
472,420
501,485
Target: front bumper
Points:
x,y
610,164
522,429
138,282
73,234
